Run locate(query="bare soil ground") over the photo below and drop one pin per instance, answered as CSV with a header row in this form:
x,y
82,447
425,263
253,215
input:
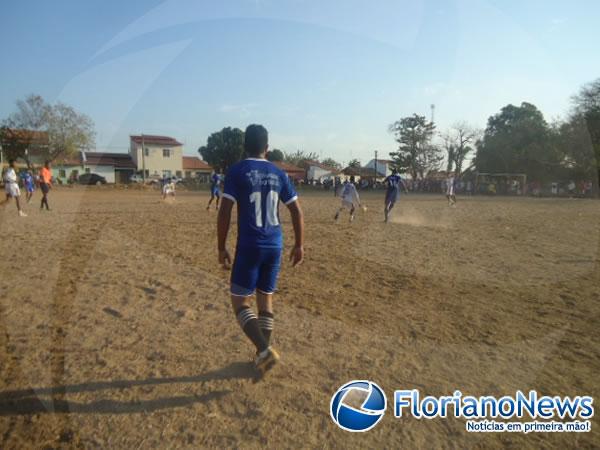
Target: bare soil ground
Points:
x,y
116,329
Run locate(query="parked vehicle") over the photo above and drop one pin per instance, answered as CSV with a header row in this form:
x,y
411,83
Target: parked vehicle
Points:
x,y
91,178
136,178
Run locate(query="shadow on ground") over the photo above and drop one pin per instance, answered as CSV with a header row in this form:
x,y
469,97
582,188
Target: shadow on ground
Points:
x,y
30,401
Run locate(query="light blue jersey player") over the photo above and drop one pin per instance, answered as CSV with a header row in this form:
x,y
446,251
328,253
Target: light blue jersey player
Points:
x,y
215,189
257,187
29,184
392,195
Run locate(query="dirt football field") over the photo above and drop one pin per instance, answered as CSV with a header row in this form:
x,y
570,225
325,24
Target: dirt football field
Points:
x,y
117,331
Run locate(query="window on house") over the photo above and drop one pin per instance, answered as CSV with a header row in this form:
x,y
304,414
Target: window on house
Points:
x,y
147,173
166,173
188,174
87,170
62,173
178,173
166,153
146,151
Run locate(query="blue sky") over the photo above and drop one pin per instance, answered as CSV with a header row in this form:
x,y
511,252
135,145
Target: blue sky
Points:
x,y
327,77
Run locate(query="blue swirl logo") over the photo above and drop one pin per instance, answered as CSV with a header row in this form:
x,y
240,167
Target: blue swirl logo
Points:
x,y
351,418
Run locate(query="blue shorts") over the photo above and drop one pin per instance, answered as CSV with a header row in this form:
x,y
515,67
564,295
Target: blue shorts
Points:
x,y
30,187
391,196
215,192
255,268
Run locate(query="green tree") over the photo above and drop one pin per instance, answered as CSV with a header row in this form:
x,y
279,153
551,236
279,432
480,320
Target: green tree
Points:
x,y
587,109
416,154
299,158
68,131
332,163
574,144
275,155
48,130
355,164
518,140
223,148
457,144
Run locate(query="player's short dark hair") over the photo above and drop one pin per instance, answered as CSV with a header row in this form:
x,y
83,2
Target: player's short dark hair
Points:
x,y
256,139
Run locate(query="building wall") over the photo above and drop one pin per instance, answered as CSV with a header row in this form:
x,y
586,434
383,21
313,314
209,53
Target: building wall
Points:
x,y
317,173
155,163
64,172
383,168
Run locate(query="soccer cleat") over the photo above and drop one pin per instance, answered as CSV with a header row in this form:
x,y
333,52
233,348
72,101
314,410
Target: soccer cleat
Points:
x,y
266,360
22,214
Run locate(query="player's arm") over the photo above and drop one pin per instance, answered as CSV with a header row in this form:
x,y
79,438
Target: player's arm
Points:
x,y
223,222
297,254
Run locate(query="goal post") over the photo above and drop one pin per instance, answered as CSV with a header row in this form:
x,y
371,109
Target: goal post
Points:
x,y
501,183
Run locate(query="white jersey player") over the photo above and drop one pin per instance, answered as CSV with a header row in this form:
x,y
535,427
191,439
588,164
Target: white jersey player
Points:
x,y
168,188
350,199
11,187
450,183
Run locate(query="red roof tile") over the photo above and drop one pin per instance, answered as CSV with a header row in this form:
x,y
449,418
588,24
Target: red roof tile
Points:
x,y
290,168
195,163
118,160
156,140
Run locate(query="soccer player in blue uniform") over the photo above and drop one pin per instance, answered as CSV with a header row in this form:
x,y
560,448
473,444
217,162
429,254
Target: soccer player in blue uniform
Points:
x,y
257,186
392,194
29,184
215,189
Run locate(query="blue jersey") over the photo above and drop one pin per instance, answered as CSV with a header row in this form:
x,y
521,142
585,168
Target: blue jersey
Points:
x,y
394,182
215,180
28,180
257,186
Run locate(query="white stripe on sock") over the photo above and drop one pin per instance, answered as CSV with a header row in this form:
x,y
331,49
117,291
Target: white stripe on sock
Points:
x,y
244,316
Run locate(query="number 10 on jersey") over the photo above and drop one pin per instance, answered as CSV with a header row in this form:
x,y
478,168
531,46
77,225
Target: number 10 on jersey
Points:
x,y
271,203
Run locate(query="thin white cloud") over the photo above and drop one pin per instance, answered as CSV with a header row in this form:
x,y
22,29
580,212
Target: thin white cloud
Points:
x,y
242,110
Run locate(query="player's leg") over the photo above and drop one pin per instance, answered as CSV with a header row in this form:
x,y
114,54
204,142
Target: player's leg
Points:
x,y
337,213
265,287
266,317
218,198
16,194
244,275
18,202
352,209
212,196
389,208
44,202
6,199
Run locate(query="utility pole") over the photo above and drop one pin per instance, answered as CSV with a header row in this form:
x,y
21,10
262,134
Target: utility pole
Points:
x,y
143,160
375,179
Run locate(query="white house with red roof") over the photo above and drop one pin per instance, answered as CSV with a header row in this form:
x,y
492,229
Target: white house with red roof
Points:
x,y
315,171
158,156
194,167
382,166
